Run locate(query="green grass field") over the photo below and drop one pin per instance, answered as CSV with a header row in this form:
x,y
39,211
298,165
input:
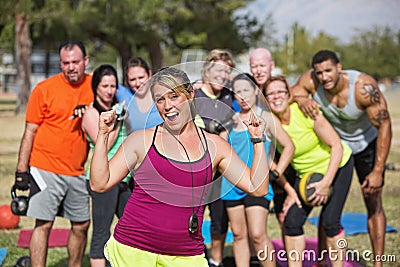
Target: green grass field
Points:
x,y
10,135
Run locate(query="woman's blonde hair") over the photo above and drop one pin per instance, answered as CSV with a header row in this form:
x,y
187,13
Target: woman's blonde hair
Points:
x,y
175,79
215,55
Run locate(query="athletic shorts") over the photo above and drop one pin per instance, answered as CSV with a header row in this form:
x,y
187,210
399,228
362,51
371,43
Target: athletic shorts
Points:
x,y
248,201
54,195
120,255
364,162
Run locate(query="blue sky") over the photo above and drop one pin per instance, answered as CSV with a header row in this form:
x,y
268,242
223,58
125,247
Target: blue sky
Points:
x,y
339,18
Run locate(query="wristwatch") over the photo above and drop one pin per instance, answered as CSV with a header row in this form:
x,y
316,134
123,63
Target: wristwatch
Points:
x,y
274,175
256,140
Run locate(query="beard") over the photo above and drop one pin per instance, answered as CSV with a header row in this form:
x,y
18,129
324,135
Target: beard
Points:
x,y
333,86
73,78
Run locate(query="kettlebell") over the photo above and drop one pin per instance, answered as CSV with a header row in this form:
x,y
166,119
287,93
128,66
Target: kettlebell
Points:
x,y
24,261
19,204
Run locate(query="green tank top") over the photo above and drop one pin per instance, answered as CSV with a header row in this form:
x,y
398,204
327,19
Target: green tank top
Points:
x,y
120,138
311,153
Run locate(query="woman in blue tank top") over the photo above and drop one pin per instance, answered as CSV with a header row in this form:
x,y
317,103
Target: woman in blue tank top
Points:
x,y
174,163
248,214
141,112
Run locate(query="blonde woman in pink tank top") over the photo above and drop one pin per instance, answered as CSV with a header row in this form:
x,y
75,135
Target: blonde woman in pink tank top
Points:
x,y
173,165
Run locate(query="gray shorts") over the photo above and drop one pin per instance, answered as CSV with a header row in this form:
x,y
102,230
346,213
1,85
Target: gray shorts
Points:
x,y
54,195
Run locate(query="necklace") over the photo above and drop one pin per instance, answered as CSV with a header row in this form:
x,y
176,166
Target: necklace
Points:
x,y
193,223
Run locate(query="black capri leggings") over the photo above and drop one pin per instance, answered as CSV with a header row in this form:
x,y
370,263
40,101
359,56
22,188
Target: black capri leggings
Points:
x,y
331,211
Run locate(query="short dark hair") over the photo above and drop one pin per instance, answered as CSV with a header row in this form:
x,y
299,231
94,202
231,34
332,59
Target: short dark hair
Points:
x,y
70,44
324,55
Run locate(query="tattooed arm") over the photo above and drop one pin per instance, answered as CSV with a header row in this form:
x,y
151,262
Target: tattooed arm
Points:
x,y
372,100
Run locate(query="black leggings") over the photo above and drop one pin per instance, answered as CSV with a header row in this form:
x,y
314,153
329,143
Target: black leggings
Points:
x,y
104,206
331,211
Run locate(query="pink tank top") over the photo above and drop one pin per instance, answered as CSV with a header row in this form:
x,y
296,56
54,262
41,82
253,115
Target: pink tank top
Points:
x,y
156,216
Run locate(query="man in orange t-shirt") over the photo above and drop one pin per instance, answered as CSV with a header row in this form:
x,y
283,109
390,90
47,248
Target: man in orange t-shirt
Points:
x,y
53,152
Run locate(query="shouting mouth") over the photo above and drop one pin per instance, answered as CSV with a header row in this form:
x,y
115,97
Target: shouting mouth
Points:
x,y
172,116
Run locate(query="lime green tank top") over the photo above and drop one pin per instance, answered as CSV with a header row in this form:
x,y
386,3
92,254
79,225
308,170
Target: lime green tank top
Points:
x,y
311,153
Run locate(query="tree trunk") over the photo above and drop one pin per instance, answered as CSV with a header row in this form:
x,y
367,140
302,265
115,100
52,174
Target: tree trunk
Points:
x,y
23,50
155,55
125,53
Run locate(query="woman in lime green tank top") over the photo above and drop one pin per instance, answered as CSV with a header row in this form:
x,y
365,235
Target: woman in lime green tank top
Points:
x,y
319,149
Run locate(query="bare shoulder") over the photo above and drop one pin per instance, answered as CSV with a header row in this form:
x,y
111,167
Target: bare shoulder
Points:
x,y
90,118
370,98
365,79
140,139
367,91
306,81
136,146
90,110
218,147
214,138
268,116
269,119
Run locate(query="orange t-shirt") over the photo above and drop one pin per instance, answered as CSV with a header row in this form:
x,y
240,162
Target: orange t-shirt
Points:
x,y
60,145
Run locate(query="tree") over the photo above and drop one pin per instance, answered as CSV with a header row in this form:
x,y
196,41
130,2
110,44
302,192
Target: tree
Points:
x,y
375,52
295,54
23,51
267,38
20,15
210,24
153,24
7,26
17,14
134,26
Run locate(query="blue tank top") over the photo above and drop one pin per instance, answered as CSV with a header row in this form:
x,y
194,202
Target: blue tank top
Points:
x,y
351,123
156,216
240,142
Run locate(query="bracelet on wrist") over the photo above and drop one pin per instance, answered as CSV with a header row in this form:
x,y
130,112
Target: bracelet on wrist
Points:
x,y
256,140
